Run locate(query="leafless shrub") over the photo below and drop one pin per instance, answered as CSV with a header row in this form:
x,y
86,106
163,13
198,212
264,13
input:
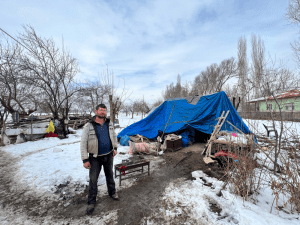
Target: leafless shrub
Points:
x,y
288,180
281,165
242,172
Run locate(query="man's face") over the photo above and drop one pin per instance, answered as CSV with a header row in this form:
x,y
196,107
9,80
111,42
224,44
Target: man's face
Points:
x,y
101,112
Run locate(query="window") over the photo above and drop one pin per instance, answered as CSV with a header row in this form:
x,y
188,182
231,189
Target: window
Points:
x,y
269,106
289,106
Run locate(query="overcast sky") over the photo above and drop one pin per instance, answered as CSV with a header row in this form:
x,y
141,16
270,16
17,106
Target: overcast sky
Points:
x,y
149,42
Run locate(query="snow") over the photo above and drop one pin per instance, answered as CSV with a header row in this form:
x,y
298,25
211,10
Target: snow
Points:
x,y
257,127
51,161
195,197
42,166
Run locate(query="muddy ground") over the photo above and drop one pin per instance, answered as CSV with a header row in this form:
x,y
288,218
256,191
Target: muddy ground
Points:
x,y
138,201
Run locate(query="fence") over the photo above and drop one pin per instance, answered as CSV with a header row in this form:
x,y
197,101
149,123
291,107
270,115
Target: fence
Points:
x,y
287,116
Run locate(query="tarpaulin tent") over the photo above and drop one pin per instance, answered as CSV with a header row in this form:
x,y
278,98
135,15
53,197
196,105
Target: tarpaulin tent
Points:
x,y
187,117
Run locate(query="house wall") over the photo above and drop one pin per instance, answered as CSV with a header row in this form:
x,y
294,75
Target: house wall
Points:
x,y
282,102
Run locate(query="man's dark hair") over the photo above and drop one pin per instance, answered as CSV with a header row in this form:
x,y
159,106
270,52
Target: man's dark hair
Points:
x,y
101,106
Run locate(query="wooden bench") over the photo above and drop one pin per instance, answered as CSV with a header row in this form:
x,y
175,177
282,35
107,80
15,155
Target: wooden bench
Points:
x,y
131,168
270,129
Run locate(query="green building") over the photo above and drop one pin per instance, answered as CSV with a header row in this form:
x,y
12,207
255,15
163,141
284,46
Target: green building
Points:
x,y
288,102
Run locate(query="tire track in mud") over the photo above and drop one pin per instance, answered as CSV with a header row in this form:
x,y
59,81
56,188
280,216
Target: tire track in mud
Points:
x,y
16,197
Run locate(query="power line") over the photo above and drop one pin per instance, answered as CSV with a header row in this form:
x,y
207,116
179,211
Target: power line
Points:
x,y
14,39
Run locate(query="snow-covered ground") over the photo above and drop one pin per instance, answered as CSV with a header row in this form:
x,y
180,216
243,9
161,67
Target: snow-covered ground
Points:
x,y
195,199
257,127
51,161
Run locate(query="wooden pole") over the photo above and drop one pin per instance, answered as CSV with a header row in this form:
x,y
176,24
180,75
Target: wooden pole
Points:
x,y
31,129
168,121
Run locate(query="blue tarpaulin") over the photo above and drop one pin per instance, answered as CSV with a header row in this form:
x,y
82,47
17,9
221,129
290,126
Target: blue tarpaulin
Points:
x,y
203,117
125,140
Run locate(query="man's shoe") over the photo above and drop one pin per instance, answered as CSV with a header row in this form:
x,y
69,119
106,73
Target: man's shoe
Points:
x,y
115,197
90,209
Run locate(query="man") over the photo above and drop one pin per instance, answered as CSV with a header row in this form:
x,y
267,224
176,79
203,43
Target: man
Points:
x,y
100,141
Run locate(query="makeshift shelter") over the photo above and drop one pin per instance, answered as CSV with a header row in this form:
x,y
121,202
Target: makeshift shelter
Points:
x,y
187,117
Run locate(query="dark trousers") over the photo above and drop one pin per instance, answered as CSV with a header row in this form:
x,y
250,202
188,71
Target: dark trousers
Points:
x,y
96,163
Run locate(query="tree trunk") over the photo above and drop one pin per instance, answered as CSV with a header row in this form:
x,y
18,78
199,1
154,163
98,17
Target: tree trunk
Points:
x,y
2,133
112,110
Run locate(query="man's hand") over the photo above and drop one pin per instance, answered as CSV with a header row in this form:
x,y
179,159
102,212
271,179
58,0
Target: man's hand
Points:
x,y
115,152
87,165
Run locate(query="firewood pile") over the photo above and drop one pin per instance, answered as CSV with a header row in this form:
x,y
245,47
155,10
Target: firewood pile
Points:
x,y
78,121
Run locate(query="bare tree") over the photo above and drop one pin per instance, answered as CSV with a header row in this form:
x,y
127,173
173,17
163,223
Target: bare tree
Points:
x,y
178,87
242,69
258,62
126,108
157,103
186,89
141,106
15,93
176,91
133,107
94,93
293,15
117,97
293,11
49,69
214,77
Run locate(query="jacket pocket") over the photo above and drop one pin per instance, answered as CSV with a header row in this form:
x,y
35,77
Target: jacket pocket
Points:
x,y
92,142
93,146
92,134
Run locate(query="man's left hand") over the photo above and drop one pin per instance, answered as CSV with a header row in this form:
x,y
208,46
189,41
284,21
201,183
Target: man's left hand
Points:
x,y
115,152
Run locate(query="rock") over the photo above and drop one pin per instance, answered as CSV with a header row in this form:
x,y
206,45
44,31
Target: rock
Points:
x,y
21,138
57,150
6,140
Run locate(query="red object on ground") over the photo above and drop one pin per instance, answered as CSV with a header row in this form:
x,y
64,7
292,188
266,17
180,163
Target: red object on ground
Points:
x,y
225,153
123,168
231,155
51,134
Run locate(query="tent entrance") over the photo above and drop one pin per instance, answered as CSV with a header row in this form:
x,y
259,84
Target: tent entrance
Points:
x,y
201,137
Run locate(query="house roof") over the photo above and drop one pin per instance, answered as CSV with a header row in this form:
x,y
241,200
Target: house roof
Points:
x,y
287,94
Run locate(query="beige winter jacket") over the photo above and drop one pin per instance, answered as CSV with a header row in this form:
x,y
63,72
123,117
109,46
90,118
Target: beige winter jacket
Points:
x,y
89,140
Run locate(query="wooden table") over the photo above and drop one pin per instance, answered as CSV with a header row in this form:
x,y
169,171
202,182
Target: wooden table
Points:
x,y
131,168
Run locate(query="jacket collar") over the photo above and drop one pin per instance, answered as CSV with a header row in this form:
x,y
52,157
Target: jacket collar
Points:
x,y
94,117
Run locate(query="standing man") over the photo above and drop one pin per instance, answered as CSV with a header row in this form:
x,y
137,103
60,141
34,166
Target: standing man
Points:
x,y
100,141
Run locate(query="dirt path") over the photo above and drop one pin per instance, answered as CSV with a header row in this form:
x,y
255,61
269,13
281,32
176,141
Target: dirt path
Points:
x,y
137,202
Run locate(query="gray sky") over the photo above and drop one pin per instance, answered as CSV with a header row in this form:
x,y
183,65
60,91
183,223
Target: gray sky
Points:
x,y
149,42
